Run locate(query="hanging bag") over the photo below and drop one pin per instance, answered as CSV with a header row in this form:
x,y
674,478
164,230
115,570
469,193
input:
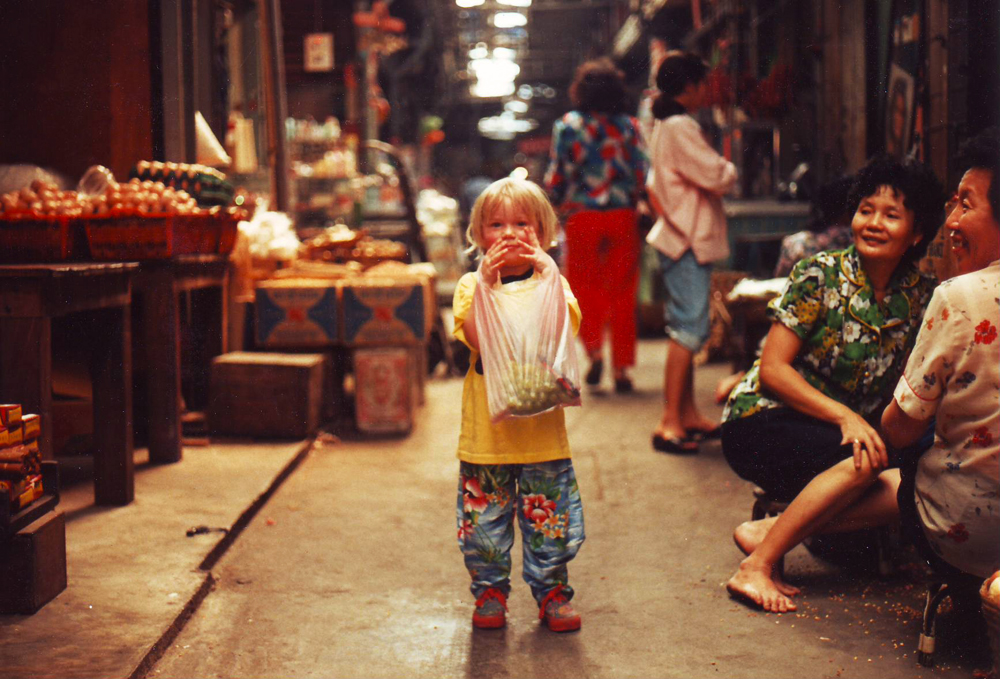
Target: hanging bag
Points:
x,y
527,346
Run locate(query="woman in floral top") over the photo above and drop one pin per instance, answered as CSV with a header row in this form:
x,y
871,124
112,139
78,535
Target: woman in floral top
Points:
x,y
841,333
596,175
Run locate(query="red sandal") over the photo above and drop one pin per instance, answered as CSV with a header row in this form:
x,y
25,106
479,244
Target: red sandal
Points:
x,y
491,610
557,612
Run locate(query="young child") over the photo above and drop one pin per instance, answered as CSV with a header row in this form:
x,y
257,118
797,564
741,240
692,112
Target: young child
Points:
x,y
519,465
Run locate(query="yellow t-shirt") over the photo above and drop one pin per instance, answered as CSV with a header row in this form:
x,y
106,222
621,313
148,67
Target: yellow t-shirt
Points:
x,y
517,440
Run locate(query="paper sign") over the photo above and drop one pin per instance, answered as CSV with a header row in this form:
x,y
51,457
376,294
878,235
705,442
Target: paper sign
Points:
x,y
319,52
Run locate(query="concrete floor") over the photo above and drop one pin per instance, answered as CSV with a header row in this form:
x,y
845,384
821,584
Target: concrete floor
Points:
x,y
351,569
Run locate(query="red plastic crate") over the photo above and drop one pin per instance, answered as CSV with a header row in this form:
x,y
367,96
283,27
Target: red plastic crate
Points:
x,y
126,237
195,234
227,226
28,238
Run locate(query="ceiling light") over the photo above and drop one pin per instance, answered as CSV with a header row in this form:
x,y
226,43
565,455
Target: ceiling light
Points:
x,y
525,91
515,3
495,69
519,173
509,19
504,53
480,51
494,88
469,3
516,106
500,127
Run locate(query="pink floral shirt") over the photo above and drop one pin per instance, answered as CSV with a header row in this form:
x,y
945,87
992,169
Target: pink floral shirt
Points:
x,y
954,375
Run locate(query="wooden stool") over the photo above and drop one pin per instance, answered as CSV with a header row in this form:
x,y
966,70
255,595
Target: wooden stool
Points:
x,y
937,591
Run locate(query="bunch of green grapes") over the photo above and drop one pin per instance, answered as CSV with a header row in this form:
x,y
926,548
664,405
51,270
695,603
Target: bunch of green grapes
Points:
x,y
537,389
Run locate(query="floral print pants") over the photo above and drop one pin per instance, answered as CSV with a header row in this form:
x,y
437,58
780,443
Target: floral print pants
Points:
x,y
546,499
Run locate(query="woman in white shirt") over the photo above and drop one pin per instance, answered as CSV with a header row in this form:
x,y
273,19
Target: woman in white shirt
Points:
x,y
685,184
947,500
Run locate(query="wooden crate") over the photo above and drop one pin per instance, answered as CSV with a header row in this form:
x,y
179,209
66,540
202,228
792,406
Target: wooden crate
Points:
x,y
266,395
33,565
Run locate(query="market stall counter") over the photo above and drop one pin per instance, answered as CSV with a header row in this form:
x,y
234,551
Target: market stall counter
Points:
x,y
30,297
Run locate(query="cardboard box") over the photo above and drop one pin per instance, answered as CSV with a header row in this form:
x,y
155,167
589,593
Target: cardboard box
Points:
x,y
10,414
32,426
385,311
384,390
266,395
296,313
33,567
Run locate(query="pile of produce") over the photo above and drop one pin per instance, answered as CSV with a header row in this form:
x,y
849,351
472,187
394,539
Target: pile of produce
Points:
x,y
536,388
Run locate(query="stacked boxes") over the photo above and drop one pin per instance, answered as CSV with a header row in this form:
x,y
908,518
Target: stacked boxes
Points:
x,y
20,457
383,315
296,313
384,311
357,311
384,390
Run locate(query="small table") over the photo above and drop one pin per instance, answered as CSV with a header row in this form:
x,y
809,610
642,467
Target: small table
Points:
x,y
30,297
157,285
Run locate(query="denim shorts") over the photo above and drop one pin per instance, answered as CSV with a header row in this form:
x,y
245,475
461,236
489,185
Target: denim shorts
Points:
x,y
687,284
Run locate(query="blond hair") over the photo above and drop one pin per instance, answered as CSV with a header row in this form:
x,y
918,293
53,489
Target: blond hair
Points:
x,y
522,194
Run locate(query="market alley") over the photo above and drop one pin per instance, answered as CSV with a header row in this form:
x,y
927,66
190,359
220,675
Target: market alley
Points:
x,y
351,569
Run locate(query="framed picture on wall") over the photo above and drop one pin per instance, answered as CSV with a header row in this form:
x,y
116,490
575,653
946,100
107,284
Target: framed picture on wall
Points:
x,y
898,111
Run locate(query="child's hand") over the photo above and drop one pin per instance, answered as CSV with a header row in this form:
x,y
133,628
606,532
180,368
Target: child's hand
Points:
x,y
496,258
535,254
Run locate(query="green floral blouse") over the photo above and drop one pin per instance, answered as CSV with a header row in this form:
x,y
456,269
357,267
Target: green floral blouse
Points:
x,y
853,348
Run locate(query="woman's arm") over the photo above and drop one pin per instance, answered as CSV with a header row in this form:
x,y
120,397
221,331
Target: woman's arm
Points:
x,y
697,161
778,377
900,429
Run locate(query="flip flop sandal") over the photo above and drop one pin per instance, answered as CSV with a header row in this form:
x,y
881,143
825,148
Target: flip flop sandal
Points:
x,y
703,435
674,445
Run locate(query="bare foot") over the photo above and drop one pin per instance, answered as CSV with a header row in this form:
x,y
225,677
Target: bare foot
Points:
x,y
753,582
749,534
726,385
699,423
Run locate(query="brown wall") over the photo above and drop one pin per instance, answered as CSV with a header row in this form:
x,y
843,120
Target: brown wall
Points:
x,y
75,85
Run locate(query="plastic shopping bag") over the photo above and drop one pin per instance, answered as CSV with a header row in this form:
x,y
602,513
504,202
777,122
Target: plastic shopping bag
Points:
x,y
527,346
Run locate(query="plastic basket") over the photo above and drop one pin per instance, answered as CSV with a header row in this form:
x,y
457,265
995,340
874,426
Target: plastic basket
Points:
x,y
28,238
120,237
991,611
227,226
195,234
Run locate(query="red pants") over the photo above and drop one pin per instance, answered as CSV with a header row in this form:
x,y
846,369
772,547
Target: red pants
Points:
x,y
602,266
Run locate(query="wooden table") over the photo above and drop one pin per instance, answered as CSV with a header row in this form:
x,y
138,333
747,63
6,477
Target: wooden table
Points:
x,y
158,285
30,297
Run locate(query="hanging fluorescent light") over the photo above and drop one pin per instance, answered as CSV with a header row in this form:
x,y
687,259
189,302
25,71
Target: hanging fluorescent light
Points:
x,y
504,53
504,127
488,89
515,3
509,19
465,4
516,106
494,69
